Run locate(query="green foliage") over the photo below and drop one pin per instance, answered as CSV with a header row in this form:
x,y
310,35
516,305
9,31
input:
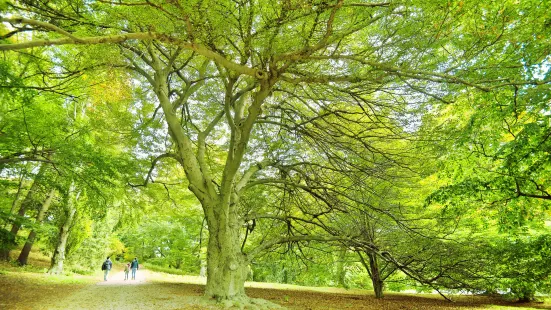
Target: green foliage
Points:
x,y
522,265
360,113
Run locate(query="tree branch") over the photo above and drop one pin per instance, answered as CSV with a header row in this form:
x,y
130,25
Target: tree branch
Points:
x,y
267,245
153,164
199,49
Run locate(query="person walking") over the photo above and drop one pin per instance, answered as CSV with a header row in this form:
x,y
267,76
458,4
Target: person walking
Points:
x,y
126,271
106,267
134,265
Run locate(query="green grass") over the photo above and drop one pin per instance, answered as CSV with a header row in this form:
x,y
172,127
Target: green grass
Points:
x,y
164,269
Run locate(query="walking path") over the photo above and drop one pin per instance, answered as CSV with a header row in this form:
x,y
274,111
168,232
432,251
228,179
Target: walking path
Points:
x,y
117,293
117,278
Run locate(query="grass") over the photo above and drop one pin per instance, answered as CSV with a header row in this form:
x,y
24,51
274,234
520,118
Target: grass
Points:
x,y
164,269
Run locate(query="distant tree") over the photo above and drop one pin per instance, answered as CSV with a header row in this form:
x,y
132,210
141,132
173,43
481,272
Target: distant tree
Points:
x,y
54,132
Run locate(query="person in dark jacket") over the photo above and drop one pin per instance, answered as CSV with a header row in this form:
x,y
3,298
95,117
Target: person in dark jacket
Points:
x,y
106,267
134,265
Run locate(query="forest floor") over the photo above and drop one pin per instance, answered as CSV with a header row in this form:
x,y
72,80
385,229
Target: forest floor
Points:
x,y
29,289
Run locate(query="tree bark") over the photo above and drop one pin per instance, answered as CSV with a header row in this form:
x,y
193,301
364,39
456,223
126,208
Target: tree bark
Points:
x,y
24,255
376,279
341,271
58,258
226,264
17,195
59,254
374,272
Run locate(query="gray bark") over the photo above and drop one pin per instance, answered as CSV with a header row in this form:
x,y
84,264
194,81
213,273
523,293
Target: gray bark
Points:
x,y
58,258
376,278
374,272
17,194
59,255
226,264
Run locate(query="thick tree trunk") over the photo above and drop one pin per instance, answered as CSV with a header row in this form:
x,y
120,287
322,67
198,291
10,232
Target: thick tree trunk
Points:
x,y
226,264
375,275
27,202
24,255
59,254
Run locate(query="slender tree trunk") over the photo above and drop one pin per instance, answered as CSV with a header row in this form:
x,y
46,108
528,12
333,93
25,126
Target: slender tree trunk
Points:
x,y
28,199
59,254
375,275
17,194
30,240
27,202
226,264
341,271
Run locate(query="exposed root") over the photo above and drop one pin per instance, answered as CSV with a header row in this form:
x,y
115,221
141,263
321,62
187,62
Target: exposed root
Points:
x,y
242,303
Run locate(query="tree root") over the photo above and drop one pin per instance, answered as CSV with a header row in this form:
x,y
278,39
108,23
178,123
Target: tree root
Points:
x,y
242,303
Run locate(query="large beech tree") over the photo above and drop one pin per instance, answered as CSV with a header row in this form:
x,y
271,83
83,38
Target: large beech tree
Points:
x,y
236,81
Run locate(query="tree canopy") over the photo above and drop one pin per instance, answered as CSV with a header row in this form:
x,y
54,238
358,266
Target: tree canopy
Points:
x,y
355,123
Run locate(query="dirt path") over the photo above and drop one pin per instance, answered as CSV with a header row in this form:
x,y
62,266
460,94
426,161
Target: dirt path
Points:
x,y
117,293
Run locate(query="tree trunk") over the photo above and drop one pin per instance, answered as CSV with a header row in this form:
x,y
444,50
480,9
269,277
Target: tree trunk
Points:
x,y
17,195
341,271
226,264
59,255
27,202
30,240
375,275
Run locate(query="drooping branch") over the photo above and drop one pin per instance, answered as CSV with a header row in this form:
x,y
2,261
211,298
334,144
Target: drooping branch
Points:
x,y
86,40
369,5
266,245
377,66
152,168
38,155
